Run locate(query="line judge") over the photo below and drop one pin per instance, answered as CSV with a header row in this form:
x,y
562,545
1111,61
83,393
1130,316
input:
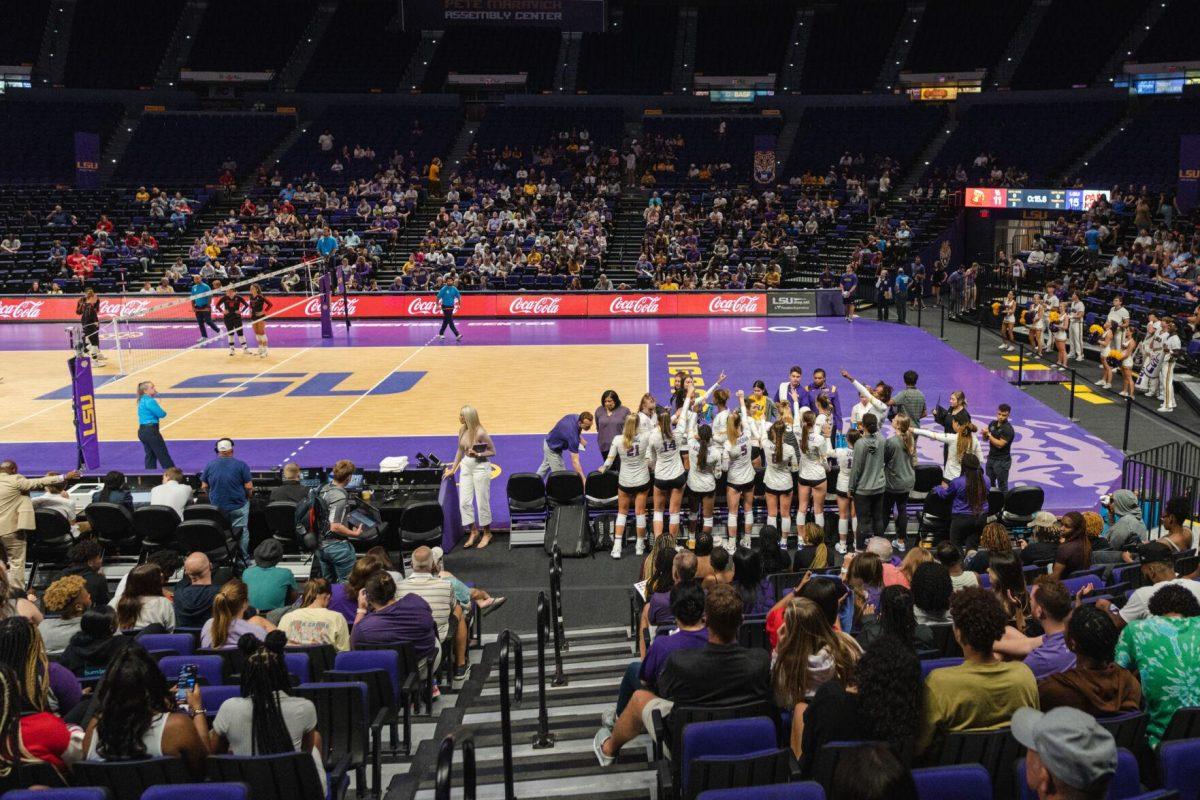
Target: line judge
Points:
x,y
565,436
150,413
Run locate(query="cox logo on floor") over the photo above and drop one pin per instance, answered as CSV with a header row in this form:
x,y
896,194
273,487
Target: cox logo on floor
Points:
x,y
250,384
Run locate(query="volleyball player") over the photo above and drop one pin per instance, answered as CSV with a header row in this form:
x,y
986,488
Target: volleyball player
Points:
x,y
720,398
847,518
647,414
869,402
779,461
1008,319
88,309
1075,312
259,306
231,305
704,465
812,472
1172,348
475,451
633,482
739,470
666,445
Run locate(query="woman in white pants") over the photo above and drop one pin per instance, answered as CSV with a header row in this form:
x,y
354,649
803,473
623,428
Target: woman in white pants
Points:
x,y
475,451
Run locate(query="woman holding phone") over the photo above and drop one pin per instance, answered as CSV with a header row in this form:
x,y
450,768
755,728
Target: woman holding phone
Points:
x,y
475,451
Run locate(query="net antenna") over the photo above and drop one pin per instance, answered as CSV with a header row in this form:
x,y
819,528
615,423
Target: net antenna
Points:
x,y
145,334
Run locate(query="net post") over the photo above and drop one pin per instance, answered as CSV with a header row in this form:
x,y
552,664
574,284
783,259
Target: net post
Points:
x,y
116,322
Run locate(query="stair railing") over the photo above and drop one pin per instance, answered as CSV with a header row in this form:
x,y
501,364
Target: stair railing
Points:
x,y
556,604
445,764
543,739
510,648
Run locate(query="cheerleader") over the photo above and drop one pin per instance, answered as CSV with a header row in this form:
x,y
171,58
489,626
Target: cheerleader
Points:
x,y
665,447
259,306
1008,319
1127,363
779,460
633,482
475,451
961,442
847,518
704,466
1058,330
1076,312
1036,321
1106,350
811,469
739,471
1172,348
231,305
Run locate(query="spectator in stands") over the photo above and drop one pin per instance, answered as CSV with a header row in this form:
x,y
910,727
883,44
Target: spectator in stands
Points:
x,y
313,622
143,603
439,594
757,593
950,557
1157,648
1075,551
195,592
1048,654
345,594
43,734
385,619
267,719
932,588
687,607
114,490
1095,684
1127,529
270,586
58,218
227,482
136,717
333,504
1044,544
68,598
172,492
687,678
994,539
17,515
1068,753
872,772
290,489
982,693
1157,571
882,703
883,548
809,654
229,620
812,552
56,498
864,576
10,244
896,618
86,559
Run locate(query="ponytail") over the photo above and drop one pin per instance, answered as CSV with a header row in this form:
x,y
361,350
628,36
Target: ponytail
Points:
x,y
629,430
963,443
704,434
227,604
777,440
733,425
903,427
314,588
807,421
264,675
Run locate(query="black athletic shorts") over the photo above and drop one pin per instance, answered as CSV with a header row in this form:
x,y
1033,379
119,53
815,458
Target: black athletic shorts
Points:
x,y
671,484
634,491
809,482
742,487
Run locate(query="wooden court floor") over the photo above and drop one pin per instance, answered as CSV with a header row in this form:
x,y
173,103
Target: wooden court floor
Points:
x,y
317,391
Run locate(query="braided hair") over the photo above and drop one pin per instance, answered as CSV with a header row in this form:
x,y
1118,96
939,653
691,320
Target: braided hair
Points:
x,y
1092,634
264,675
11,752
22,651
132,693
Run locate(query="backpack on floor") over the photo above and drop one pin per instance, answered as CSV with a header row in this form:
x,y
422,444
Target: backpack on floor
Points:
x,y
569,528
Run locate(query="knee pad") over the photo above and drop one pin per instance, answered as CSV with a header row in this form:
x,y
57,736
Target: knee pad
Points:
x,y
732,522
675,520
640,521
707,523
658,516
820,520
621,520
785,525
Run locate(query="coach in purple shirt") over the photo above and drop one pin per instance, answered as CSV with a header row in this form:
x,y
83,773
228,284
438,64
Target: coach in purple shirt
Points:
x,y
565,437
391,622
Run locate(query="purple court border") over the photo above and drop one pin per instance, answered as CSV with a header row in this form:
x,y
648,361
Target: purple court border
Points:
x,y
1072,465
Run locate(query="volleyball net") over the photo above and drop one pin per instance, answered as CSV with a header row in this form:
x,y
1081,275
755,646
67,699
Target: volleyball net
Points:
x,y
142,336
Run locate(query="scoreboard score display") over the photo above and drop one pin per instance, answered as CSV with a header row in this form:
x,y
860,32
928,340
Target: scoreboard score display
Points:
x,y
1041,199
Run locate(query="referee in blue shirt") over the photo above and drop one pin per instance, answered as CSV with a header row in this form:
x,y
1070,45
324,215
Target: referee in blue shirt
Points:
x,y
149,413
449,297
202,305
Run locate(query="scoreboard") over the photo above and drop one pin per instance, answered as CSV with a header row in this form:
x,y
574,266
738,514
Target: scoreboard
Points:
x,y
1043,199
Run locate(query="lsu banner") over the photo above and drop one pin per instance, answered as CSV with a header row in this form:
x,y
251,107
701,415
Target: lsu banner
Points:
x,y
764,159
87,432
1189,173
87,160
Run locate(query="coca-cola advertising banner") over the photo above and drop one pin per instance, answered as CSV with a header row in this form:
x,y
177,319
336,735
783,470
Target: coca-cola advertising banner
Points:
x,y
159,308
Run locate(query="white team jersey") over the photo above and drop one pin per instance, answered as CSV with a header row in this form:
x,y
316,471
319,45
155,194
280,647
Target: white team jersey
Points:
x,y
666,454
813,455
845,461
739,464
702,477
635,469
718,426
646,423
778,476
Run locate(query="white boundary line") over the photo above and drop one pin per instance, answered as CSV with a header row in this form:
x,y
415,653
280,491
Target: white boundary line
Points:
x,y
229,391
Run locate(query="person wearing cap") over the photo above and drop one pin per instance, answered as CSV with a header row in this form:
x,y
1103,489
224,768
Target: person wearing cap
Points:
x,y
465,595
228,483
1158,570
1161,649
270,585
1174,532
1068,754
1044,543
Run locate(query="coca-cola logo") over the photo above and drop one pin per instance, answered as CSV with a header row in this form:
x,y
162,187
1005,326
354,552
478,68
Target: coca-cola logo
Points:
x,y
645,304
123,308
742,304
539,306
22,309
422,307
338,307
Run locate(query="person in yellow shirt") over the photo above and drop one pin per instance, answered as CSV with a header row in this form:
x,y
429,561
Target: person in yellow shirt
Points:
x,y
982,693
435,176
530,188
211,250
142,195
669,285
534,258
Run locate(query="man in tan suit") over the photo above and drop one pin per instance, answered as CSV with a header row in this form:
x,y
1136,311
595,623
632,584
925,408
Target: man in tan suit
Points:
x,y
16,514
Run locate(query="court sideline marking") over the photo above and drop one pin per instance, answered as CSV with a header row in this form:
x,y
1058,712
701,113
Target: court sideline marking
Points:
x,y
232,389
